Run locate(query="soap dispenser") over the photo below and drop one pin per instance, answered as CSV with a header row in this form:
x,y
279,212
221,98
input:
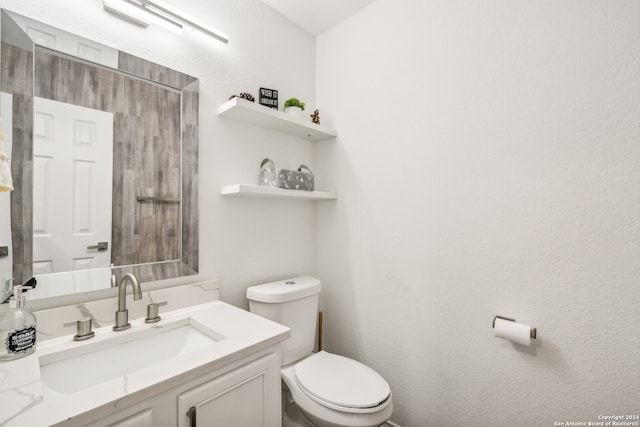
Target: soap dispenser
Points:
x,y
17,328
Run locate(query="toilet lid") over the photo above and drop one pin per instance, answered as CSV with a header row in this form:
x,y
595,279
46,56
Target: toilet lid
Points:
x,y
340,381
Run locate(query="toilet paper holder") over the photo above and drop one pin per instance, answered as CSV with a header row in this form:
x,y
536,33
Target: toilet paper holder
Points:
x,y
533,333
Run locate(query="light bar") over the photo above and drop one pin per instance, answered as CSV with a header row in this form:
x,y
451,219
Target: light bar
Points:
x,y
137,11
122,11
132,12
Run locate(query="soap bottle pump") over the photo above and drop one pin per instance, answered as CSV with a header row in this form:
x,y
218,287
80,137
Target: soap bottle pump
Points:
x,y
17,328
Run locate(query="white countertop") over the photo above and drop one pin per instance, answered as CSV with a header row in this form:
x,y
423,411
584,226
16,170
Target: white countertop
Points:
x,y
26,401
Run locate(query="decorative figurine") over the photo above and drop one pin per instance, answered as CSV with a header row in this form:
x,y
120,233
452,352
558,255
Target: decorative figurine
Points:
x,y
247,96
315,117
244,95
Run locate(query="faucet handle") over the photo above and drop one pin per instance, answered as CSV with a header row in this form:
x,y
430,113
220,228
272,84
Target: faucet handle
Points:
x,y
83,331
152,312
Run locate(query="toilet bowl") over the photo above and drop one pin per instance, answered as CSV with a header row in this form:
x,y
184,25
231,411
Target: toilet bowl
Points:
x,y
320,389
335,391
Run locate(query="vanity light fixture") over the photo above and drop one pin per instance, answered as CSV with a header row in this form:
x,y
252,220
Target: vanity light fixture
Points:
x,y
142,12
124,11
132,11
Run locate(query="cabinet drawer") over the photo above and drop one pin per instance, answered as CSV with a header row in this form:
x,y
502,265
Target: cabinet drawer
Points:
x,y
143,418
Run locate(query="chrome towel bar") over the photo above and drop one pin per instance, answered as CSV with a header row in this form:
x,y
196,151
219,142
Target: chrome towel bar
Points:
x,y
156,199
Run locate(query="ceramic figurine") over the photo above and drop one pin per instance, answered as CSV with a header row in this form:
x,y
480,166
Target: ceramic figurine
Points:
x,y
315,117
244,95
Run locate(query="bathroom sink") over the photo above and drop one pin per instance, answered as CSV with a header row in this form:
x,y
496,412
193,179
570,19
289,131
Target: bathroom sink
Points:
x,y
116,354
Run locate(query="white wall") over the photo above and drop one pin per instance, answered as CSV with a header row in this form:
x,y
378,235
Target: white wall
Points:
x,y
487,163
242,241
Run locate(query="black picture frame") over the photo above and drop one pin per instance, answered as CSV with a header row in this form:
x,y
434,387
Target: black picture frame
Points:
x,y
268,98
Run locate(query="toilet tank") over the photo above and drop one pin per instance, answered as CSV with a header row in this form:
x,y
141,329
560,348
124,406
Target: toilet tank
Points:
x,y
293,303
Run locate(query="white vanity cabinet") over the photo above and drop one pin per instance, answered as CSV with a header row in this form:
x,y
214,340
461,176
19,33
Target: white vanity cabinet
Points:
x,y
245,393
217,362
247,396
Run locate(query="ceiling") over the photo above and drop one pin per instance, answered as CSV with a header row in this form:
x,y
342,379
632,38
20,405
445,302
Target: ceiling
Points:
x,y
317,16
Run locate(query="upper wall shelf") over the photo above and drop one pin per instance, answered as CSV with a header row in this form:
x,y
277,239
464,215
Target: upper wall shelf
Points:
x,y
257,114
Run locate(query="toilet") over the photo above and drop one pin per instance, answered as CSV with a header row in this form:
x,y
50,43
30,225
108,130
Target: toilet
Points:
x,y
320,389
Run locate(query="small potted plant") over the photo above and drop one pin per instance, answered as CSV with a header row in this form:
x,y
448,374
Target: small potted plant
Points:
x,y
294,106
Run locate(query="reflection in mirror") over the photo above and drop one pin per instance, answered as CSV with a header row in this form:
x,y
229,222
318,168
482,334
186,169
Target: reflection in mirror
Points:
x,y
104,160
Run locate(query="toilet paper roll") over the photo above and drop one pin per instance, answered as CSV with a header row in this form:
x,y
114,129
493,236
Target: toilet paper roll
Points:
x,y
519,333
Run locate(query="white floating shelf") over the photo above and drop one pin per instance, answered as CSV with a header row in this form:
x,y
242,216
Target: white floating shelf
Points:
x,y
245,190
254,113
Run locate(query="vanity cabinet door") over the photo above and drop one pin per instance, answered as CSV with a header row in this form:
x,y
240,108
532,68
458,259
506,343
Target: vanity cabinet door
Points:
x,y
140,419
246,396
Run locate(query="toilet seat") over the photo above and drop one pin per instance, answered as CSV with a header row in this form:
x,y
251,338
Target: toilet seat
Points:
x,y
341,383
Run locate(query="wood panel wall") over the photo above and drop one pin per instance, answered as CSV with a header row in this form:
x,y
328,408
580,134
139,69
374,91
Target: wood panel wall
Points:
x,y
152,71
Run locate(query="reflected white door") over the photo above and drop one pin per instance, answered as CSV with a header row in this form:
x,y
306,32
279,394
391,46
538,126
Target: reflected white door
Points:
x,y
72,184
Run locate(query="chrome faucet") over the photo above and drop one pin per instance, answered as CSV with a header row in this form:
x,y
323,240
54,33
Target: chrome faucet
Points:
x,y
122,315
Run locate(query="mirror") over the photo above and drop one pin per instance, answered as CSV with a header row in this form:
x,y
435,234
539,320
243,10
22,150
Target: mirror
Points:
x,y
104,162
